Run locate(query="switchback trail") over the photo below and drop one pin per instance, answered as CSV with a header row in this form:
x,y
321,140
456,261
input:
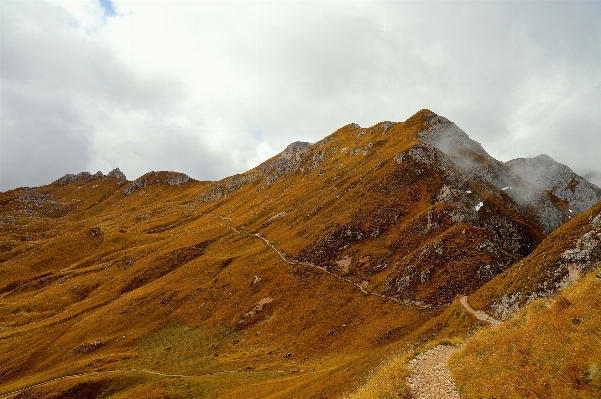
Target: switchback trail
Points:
x,y
479,314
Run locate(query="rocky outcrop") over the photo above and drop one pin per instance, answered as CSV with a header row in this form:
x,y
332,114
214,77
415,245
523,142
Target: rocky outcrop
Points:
x,y
136,184
84,177
70,178
227,186
88,347
587,253
574,262
558,179
116,174
288,161
157,179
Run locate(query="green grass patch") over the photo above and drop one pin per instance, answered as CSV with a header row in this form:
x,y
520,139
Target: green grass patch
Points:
x,y
175,348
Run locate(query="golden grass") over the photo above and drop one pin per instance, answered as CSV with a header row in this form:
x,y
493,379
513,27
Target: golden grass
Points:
x,y
550,349
96,264
532,273
175,348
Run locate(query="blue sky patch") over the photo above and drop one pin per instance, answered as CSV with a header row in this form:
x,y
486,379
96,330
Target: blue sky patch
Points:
x,y
107,5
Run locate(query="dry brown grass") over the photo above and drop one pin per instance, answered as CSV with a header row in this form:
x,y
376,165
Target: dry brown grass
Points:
x,y
550,349
535,271
84,262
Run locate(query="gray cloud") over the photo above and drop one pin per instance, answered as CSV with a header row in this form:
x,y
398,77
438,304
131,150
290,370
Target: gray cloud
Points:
x,y
594,176
213,88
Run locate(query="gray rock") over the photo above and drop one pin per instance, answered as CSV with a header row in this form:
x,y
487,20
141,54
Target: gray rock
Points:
x,y
448,138
70,178
117,175
178,180
558,179
469,155
226,186
288,161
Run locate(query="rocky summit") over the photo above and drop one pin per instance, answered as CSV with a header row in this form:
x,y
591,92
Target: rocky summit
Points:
x,y
314,275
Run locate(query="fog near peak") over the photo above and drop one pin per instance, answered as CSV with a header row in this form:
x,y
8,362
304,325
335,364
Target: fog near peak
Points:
x,y
214,88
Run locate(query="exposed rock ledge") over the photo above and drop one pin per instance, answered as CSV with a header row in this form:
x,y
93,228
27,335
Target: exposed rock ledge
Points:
x,y
84,177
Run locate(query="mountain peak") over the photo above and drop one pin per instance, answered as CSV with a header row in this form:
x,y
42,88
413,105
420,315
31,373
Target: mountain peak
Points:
x,y
446,136
558,179
544,158
296,146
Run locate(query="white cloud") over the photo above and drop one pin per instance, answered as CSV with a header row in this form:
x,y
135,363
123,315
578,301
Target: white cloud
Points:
x,y
214,88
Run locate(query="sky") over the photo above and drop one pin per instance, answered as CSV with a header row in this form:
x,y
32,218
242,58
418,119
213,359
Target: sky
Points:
x,y
211,89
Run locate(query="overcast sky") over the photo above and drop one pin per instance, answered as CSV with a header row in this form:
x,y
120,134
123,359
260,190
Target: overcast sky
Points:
x,y
214,88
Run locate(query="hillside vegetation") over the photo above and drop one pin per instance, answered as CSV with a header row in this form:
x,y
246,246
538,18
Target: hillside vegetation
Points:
x,y
317,274
549,349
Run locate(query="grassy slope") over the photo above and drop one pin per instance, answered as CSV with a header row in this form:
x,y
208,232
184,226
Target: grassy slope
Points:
x,y
538,273
125,283
91,263
550,349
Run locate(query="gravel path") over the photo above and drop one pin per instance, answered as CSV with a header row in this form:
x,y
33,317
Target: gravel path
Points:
x,y
479,314
431,378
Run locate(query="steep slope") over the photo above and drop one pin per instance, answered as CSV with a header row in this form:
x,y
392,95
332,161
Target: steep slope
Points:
x,y
558,179
549,349
564,256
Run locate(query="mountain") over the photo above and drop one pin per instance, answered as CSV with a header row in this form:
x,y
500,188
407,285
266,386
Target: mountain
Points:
x,y
297,278
568,253
550,346
384,208
558,179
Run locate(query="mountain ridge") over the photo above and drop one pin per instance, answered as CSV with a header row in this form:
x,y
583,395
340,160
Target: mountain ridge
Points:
x,y
298,277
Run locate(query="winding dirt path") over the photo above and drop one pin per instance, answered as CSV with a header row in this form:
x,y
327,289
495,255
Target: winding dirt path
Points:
x,y
323,269
431,378
479,314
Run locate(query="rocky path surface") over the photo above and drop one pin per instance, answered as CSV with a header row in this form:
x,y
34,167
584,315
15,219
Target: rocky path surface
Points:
x,y
431,378
479,314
